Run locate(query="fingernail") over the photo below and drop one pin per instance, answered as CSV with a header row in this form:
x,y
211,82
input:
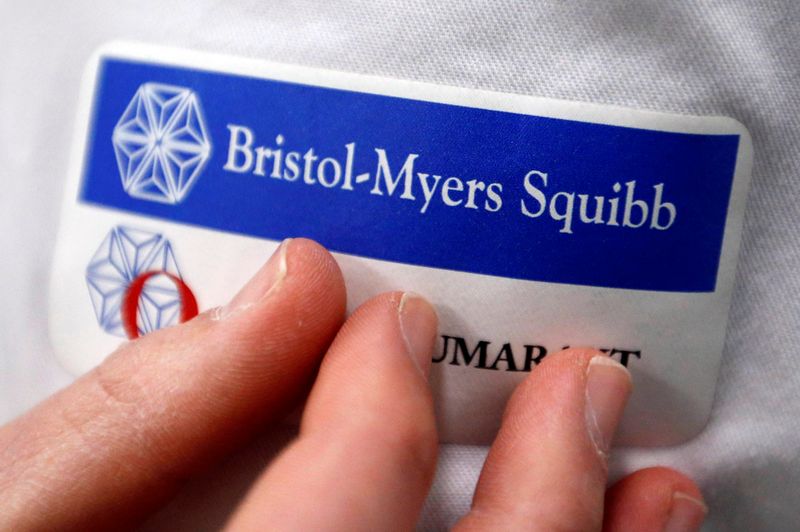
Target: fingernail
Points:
x,y
418,325
608,385
261,284
687,513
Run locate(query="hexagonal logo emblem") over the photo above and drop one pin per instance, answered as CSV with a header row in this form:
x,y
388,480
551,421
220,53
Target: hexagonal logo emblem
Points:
x,y
161,143
125,255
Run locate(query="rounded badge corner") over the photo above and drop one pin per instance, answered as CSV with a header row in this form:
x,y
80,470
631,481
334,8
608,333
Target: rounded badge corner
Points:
x,y
737,127
59,354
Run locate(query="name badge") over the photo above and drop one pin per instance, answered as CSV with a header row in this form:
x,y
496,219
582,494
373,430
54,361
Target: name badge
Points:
x,y
532,224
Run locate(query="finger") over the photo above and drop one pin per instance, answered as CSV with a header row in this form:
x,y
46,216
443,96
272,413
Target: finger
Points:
x,y
547,467
117,443
366,453
654,499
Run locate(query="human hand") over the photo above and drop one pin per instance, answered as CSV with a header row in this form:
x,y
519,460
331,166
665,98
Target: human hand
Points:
x,y
117,444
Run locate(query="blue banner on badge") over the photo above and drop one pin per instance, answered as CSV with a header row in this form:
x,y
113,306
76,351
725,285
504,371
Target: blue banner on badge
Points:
x,y
417,182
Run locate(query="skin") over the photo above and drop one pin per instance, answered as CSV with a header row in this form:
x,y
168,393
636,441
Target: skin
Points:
x,y
118,443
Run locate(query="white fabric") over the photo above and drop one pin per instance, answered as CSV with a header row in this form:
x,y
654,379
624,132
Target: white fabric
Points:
x,y
736,58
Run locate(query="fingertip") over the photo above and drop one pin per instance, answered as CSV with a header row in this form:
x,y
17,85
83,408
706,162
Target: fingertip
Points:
x,y
374,363
656,498
396,321
307,253
368,428
686,513
264,282
299,272
658,480
563,375
418,326
567,409
608,386
317,265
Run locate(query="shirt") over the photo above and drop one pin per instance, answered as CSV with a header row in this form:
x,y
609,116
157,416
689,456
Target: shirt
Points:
x,y
731,57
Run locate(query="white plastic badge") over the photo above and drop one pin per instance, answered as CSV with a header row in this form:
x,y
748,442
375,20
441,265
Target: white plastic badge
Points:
x,y
532,224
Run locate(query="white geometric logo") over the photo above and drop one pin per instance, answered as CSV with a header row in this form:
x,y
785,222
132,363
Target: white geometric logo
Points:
x,y
124,255
161,143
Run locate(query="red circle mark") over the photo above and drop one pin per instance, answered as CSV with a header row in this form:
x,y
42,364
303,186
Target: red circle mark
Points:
x,y
130,301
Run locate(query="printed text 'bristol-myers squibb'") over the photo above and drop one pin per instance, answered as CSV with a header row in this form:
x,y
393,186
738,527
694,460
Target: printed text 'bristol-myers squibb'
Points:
x,y
405,176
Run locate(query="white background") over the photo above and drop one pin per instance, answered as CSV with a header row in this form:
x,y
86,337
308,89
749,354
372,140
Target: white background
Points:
x,y
730,58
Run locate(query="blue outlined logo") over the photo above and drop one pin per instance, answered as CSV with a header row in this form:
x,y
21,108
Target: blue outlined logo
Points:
x,y
160,143
125,255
